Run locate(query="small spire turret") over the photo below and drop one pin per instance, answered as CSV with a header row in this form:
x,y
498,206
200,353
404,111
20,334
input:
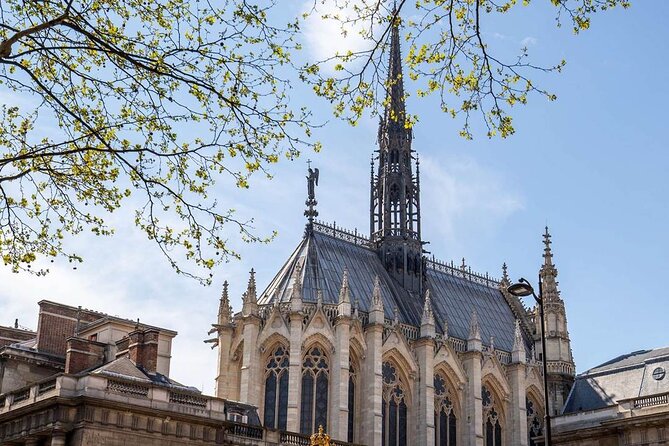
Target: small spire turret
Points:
x,y
250,297
474,339
344,296
224,308
518,351
427,320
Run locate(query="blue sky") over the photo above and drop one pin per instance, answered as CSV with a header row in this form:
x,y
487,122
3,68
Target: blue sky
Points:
x,y
591,165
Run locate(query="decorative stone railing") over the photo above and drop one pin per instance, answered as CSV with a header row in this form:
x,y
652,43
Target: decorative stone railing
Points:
x,y
294,439
341,233
650,400
437,265
128,388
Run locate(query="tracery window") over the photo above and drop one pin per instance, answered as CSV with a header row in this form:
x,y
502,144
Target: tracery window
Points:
x,y
534,422
314,407
394,407
276,389
492,429
352,380
445,433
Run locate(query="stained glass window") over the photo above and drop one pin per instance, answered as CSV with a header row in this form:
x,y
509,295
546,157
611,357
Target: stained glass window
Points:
x,y
492,429
352,379
395,411
276,389
534,424
444,415
314,407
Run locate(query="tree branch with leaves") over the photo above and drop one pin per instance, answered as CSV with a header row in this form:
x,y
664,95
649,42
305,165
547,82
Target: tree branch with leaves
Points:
x,y
447,56
145,103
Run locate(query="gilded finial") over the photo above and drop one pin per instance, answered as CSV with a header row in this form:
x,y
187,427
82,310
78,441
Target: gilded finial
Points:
x,y
320,438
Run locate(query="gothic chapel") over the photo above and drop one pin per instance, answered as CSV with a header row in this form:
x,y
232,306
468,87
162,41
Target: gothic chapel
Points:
x,y
383,346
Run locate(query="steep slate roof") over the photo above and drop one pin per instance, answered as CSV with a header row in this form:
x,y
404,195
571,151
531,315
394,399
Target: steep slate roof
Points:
x,y
627,376
323,258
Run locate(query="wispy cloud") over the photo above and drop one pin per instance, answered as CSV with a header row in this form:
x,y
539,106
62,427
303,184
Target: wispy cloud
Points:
x,y
463,197
529,41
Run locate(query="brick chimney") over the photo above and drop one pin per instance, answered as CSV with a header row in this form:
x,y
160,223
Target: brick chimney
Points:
x,y
141,346
83,354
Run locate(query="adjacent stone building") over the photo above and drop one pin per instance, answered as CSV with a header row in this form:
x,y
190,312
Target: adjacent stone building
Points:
x,y
624,402
380,344
85,378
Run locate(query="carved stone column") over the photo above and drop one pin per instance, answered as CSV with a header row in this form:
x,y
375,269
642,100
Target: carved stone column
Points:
x,y
473,404
58,439
249,383
425,409
295,372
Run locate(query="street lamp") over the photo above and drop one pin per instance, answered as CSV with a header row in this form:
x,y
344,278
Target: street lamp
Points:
x,y
523,289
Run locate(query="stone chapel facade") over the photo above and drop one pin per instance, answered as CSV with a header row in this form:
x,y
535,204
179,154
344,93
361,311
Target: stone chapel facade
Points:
x,y
381,345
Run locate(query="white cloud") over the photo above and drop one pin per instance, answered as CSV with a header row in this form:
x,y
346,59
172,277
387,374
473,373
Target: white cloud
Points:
x,y
528,41
463,197
327,37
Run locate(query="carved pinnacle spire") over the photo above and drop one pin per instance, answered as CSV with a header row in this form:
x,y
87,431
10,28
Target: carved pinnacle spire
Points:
x,y
548,254
548,271
395,108
427,320
251,290
518,350
344,296
428,314
344,291
505,273
377,300
474,329
376,313
474,339
224,308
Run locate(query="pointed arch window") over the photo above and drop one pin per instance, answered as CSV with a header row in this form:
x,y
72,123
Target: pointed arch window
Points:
x,y
445,433
314,407
276,389
394,408
352,381
492,428
534,422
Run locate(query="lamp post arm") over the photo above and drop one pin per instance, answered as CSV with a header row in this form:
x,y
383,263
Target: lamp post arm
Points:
x,y
547,417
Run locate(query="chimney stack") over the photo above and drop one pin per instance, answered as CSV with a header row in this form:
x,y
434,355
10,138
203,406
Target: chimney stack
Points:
x,y
141,346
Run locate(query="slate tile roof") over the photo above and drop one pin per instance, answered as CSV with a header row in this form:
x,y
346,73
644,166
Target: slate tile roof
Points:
x,y
323,258
627,376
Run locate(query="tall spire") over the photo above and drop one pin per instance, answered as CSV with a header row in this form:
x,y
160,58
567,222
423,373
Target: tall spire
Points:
x,y
395,202
395,110
548,271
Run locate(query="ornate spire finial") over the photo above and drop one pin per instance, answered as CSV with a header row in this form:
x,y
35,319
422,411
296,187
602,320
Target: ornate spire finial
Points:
x,y
251,293
344,292
312,182
224,309
548,254
377,300
518,350
427,320
319,298
548,271
505,273
428,314
474,329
